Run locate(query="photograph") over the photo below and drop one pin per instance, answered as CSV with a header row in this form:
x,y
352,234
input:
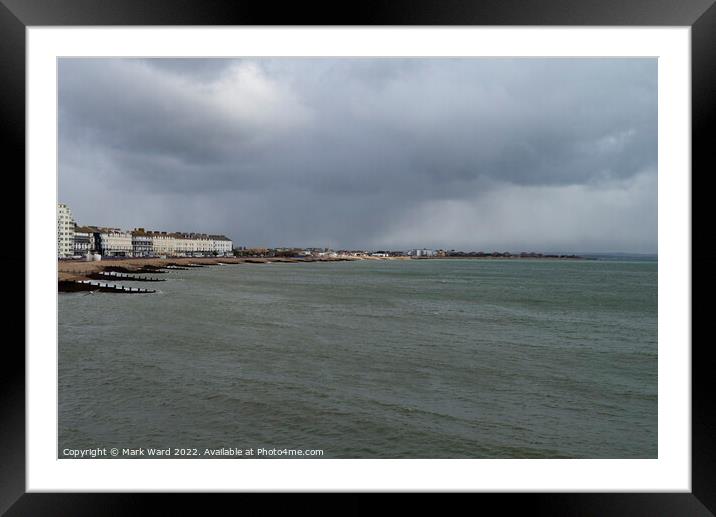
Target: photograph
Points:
x,y
268,257
415,247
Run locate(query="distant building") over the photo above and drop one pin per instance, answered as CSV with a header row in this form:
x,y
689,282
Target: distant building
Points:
x,y
73,240
65,231
222,245
201,244
114,242
84,241
422,253
184,245
163,243
141,243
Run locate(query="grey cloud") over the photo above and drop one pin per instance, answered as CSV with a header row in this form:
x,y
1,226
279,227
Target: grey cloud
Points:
x,y
340,150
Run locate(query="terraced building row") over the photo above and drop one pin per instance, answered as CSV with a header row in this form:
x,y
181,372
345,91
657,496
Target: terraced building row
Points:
x,y
81,241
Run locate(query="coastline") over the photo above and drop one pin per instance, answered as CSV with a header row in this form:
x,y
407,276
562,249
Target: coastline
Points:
x,y
74,270
80,270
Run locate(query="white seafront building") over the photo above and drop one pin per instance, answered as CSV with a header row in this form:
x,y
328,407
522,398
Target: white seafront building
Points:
x,y
84,241
190,244
222,245
142,243
114,242
200,245
65,231
147,243
424,252
163,244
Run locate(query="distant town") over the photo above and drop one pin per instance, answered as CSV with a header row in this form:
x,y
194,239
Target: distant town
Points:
x,y
93,242
75,242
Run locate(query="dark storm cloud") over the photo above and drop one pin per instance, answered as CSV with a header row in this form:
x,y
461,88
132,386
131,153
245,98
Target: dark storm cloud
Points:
x,y
364,152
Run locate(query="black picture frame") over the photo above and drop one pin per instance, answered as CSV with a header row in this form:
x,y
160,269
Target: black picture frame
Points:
x,y
16,15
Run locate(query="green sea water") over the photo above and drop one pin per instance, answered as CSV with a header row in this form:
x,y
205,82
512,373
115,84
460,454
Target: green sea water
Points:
x,y
370,359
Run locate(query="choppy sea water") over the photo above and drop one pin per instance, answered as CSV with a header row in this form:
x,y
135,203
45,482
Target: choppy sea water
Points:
x,y
370,359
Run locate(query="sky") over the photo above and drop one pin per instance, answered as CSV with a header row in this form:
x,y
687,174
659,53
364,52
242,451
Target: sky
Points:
x,y
483,154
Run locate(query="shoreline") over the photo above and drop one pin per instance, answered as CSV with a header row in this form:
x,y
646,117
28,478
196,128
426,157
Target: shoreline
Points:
x,y
81,270
72,270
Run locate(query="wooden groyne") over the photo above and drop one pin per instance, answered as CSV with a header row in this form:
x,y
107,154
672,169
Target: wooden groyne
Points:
x,y
99,275
143,269
105,275
72,286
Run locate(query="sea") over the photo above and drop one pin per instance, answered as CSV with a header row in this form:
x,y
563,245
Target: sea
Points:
x,y
437,358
